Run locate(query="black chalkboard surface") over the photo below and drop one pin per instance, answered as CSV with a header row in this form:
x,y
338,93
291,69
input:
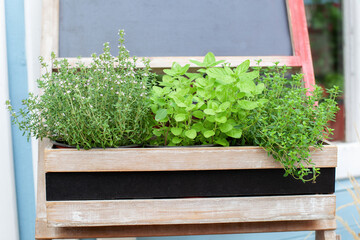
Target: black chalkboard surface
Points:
x,y
175,28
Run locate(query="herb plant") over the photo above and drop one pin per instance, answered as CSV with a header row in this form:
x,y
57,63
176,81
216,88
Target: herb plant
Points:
x,y
291,121
207,107
101,105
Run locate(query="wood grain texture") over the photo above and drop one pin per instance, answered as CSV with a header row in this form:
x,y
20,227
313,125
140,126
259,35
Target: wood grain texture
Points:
x,y
166,62
300,40
190,210
325,235
50,28
49,43
171,159
43,231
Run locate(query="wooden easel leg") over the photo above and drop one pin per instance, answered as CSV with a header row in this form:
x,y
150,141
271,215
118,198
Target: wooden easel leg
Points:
x,y
325,235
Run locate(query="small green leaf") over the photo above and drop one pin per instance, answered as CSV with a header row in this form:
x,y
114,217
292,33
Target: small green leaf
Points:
x,y
209,133
210,118
214,105
215,73
176,66
246,86
220,93
240,95
169,72
198,127
250,76
228,70
180,117
190,108
193,76
243,67
199,104
167,78
157,132
247,105
201,93
157,90
215,63
223,107
176,140
176,131
221,119
160,114
198,114
209,58
226,127
184,69
200,64
222,141
259,88
201,82
242,114
226,80
179,102
209,111
191,133
235,133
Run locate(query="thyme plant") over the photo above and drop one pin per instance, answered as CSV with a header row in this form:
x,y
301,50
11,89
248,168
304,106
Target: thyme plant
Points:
x,y
292,121
103,105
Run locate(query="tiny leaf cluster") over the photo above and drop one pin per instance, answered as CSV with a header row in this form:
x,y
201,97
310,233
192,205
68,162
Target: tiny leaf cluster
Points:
x,y
103,105
292,121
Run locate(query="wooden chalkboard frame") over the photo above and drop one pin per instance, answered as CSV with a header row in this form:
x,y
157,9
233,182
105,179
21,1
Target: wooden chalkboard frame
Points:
x,y
301,59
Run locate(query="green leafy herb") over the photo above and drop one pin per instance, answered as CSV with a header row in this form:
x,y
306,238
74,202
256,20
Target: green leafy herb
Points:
x,y
105,104
208,107
291,120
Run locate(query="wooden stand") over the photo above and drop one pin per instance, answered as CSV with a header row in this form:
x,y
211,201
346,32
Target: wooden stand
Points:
x,y
186,216
285,213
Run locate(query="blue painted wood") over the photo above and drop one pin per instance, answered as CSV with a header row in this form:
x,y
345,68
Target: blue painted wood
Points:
x,y
349,214
342,197
17,72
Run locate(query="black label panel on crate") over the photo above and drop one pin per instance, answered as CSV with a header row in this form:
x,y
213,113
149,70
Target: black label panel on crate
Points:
x,y
62,186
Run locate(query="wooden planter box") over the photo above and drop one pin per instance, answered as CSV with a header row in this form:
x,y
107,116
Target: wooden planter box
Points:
x,y
176,186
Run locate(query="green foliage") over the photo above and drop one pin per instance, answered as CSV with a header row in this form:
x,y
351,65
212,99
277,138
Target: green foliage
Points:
x,y
101,105
207,107
291,121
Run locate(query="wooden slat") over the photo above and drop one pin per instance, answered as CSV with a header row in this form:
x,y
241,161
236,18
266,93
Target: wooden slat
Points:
x,y
171,159
43,231
325,235
190,211
166,62
49,43
50,28
300,40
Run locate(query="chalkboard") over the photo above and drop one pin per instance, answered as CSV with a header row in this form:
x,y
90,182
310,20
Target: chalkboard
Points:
x,y
175,28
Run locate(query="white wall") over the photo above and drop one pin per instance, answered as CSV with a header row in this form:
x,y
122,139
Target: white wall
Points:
x,y
8,216
349,152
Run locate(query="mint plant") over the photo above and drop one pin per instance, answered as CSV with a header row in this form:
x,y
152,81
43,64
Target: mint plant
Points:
x,y
103,105
291,121
207,107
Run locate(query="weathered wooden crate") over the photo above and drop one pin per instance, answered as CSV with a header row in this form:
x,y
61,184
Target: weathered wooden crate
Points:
x,y
165,186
